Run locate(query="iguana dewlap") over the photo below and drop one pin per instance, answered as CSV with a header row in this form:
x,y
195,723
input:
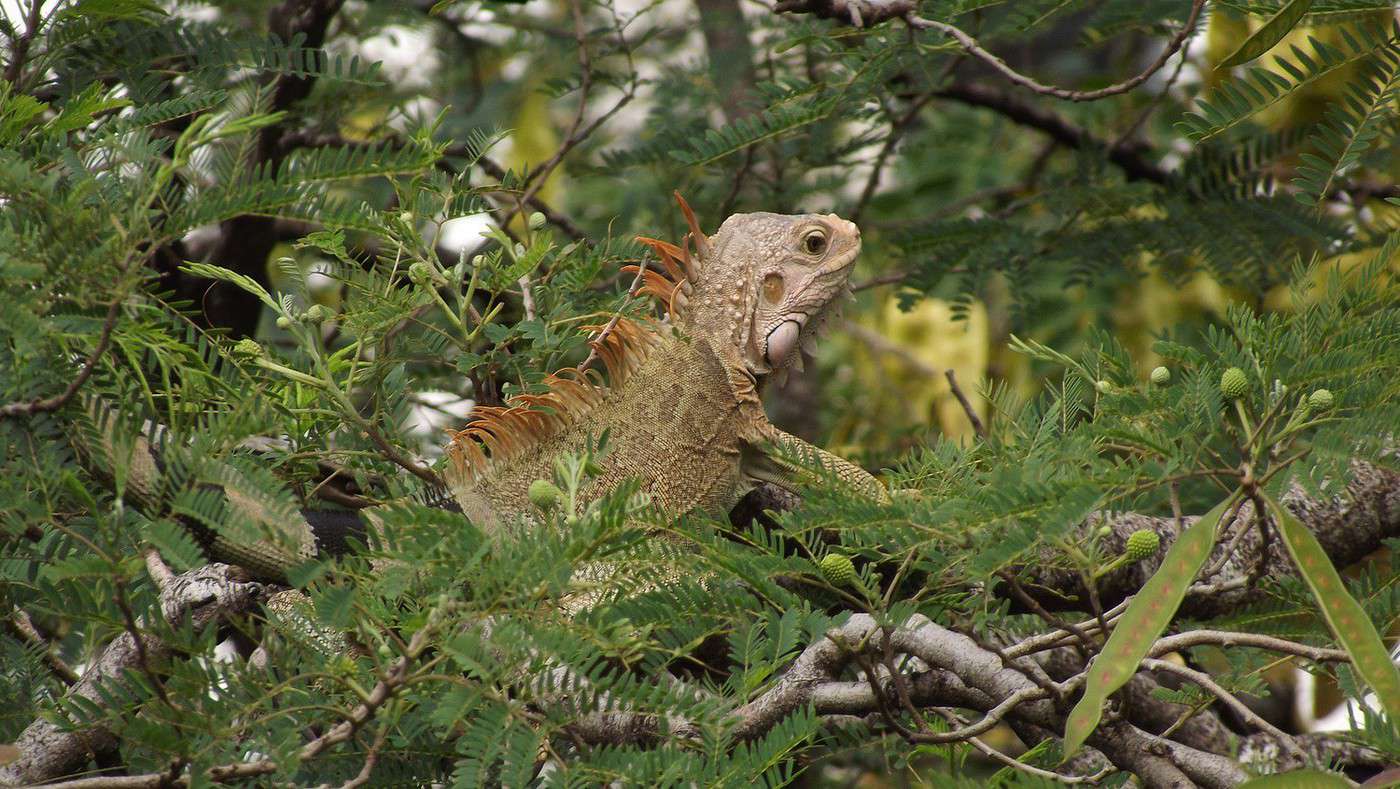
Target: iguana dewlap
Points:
x,y
681,405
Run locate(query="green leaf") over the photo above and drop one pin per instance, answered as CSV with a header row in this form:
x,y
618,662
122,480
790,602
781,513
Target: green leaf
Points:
x,y
1269,34
175,544
1347,619
1349,129
334,605
240,280
1147,616
1260,88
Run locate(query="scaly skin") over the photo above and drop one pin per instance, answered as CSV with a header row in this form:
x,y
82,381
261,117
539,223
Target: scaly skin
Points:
x,y
682,406
682,410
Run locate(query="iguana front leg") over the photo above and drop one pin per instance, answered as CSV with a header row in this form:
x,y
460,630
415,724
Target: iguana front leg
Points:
x,y
770,459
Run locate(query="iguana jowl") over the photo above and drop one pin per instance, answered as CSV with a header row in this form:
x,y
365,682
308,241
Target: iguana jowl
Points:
x,y
682,402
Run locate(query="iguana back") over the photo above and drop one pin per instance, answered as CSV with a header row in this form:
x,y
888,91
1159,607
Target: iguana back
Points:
x,y
681,405
673,415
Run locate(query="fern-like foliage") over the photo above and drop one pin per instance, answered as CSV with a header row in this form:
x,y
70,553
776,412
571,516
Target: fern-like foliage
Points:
x,y
158,164
1262,87
1352,126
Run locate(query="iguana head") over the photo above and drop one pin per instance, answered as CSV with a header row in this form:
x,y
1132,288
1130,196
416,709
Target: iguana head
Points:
x,y
761,286
779,277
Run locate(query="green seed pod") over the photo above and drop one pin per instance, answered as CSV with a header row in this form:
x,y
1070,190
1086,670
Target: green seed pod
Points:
x,y
1142,544
1233,383
837,569
1348,621
1104,387
1321,400
247,348
1161,376
1149,612
544,494
537,220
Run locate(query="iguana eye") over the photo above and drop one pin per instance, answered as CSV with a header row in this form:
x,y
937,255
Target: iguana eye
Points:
x,y
773,288
814,243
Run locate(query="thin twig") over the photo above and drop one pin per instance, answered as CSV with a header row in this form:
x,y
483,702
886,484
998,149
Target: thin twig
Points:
x,y
1228,638
1039,610
551,215
1229,700
142,656
987,750
59,400
371,759
862,13
897,129
595,342
971,412
15,68
536,178
882,345
22,627
884,279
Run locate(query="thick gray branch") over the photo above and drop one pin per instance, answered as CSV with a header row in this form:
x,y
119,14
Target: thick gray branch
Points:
x,y
1349,527
206,595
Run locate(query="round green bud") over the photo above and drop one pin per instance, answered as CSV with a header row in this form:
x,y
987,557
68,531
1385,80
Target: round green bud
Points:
x,y
1104,387
283,322
537,220
1321,400
1233,383
519,250
1104,530
544,494
837,569
247,348
1142,544
1161,376
317,313
420,272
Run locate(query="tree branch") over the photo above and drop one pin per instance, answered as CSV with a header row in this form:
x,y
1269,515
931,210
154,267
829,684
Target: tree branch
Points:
x,y
207,596
15,68
1349,526
1124,154
61,399
862,13
246,241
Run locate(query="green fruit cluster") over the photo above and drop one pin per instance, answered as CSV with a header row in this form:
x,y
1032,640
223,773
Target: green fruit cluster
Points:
x,y
1142,544
1233,383
1321,400
837,569
544,494
247,348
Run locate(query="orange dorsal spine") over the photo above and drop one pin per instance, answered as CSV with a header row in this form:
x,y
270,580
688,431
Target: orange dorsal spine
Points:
x,y
496,435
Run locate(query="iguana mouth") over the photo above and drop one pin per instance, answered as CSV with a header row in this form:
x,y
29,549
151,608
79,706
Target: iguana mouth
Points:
x,y
783,339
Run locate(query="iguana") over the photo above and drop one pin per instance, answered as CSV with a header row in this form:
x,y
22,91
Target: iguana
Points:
x,y
682,405
681,402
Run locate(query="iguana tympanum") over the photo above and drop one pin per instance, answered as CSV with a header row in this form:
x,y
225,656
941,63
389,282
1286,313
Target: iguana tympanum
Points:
x,y
681,403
